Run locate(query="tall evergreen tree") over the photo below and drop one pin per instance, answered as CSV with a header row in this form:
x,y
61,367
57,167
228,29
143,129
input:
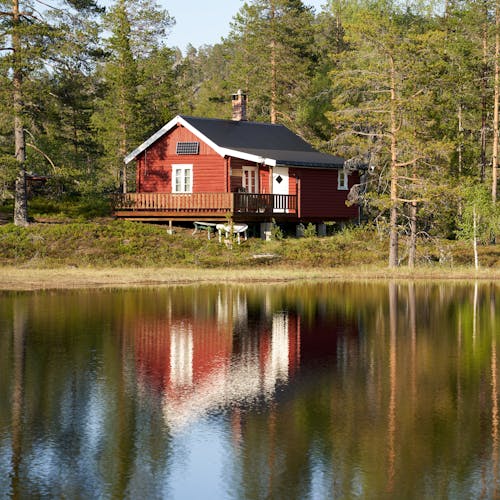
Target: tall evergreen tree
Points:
x,y
205,80
330,43
65,101
27,37
380,102
274,56
137,33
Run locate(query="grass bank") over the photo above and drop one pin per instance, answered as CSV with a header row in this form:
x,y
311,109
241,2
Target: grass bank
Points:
x,y
119,253
13,278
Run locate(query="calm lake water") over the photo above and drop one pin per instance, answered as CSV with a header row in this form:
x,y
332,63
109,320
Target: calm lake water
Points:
x,y
306,391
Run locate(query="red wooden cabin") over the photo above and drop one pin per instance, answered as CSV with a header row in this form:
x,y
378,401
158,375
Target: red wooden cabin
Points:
x,y
201,169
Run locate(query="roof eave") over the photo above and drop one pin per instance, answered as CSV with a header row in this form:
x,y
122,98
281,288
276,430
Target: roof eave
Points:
x,y
247,156
289,163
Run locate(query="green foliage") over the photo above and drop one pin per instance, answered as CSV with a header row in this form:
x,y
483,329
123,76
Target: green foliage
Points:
x,y
68,208
120,243
203,79
137,81
96,84
276,231
480,217
309,231
273,56
8,172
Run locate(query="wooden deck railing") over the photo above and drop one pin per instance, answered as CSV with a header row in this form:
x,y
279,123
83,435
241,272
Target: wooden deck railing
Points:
x,y
249,203
211,202
241,203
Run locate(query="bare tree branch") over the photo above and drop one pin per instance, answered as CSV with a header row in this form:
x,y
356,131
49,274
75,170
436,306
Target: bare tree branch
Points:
x,y
43,154
407,163
414,200
49,6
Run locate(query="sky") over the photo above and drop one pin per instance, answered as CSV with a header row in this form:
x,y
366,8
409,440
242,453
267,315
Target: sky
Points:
x,y
200,22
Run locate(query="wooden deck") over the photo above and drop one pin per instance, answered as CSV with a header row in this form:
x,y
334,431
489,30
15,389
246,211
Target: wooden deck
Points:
x,y
205,206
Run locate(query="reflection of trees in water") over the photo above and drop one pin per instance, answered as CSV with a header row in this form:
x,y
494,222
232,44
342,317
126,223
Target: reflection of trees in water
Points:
x,y
19,325
411,405
494,402
370,388
73,422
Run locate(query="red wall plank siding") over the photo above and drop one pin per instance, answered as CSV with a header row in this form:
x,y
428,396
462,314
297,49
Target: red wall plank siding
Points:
x,y
154,166
264,180
292,182
320,197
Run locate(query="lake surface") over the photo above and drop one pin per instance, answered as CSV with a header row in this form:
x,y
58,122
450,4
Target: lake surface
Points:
x,y
301,391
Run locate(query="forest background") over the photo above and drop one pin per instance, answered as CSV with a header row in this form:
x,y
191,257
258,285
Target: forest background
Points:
x,y
408,89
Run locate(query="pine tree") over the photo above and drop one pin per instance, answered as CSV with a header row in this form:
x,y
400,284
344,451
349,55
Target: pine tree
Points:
x,y
380,105
206,81
65,93
274,56
121,119
27,39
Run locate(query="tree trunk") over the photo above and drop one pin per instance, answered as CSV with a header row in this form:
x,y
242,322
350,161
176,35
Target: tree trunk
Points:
x,y
460,138
273,82
273,68
494,165
484,103
393,224
20,194
474,238
123,152
20,199
412,253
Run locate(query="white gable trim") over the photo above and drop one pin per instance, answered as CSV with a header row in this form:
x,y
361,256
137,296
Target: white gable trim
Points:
x,y
137,151
221,151
178,120
247,156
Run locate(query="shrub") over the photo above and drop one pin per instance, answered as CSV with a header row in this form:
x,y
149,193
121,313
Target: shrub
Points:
x,y
310,230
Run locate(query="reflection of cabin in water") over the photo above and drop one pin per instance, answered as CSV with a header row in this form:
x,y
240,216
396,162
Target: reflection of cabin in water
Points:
x,y
234,355
201,169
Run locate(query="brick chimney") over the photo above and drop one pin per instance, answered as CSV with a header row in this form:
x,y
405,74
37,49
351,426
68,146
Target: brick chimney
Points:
x,y
239,102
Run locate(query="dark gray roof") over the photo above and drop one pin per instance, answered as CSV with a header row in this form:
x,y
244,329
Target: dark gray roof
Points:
x,y
263,139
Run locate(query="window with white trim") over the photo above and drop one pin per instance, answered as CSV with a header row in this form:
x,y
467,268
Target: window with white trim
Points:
x,y
343,183
250,179
182,178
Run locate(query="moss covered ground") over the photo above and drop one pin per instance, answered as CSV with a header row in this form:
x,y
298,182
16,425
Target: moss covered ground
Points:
x,y
114,244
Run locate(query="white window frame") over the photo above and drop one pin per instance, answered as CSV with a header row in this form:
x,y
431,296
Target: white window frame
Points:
x,y
182,169
253,172
342,180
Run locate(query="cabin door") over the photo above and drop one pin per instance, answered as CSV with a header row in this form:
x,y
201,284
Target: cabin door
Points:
x,y
280,187
251,179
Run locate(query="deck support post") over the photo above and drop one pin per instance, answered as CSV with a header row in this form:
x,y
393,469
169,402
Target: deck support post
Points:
x,y
170,229
299,230
265,231
321,229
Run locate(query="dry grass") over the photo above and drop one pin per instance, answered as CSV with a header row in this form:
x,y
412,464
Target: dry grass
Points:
x,y
124,254
12,278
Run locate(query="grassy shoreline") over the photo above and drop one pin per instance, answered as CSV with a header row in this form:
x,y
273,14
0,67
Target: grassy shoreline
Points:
x,y
107,253
25,279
